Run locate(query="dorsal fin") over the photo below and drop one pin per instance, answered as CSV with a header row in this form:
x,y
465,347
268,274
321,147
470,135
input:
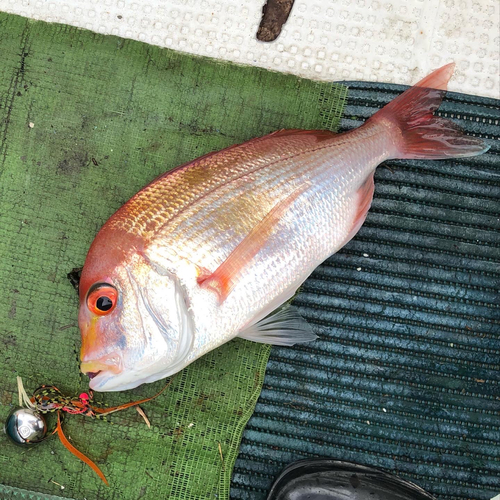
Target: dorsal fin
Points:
x,y
321,135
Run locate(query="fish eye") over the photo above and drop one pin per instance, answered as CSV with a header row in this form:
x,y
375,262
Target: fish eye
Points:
x,y
102,298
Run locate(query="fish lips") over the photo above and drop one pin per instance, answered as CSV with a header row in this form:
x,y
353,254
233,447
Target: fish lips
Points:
x,y
98,380
100,370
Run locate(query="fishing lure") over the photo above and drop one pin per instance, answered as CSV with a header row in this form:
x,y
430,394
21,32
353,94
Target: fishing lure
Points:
x,y
26,424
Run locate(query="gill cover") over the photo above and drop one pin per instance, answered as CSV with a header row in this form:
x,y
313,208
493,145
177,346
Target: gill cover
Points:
x,y
166,322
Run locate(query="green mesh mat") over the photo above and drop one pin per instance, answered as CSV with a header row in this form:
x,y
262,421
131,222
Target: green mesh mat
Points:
x,y
86,121
405,375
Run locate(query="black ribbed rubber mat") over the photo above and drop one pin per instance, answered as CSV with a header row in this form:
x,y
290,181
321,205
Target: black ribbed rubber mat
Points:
x,y
405,373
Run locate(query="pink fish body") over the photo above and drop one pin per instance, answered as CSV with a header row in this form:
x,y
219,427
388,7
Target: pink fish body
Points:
x,y
209,250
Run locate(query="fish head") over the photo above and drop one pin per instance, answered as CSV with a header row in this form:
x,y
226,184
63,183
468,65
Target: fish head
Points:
x,y
135,324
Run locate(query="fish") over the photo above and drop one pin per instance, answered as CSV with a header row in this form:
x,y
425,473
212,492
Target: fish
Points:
x,y
216,248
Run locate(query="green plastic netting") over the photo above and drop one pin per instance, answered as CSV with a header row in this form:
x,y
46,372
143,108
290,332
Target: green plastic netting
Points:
x,y
86,121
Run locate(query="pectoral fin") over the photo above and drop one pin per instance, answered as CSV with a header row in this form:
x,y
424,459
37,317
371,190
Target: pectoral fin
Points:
x,y
225,277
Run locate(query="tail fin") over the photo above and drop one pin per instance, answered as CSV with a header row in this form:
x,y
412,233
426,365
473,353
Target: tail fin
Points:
x,y
420,134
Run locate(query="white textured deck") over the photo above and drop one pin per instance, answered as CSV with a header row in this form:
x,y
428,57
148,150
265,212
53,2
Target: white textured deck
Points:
x,y
377,40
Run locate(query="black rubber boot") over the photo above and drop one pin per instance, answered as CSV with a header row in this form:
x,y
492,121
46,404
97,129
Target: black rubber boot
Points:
x,y
323,479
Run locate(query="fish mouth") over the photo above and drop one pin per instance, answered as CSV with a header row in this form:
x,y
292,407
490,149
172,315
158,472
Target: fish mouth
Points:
x,y
112,363
99,379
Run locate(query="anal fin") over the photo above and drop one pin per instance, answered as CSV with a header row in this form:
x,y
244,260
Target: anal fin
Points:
x,y
364,201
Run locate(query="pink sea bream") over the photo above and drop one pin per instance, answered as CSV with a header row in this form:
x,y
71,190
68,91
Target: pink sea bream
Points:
x,y
212,249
